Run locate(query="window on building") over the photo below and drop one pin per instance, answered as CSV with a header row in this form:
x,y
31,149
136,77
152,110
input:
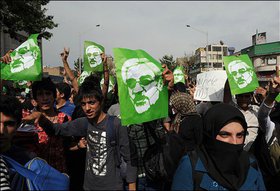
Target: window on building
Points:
x,y
271,60
216,48
225,51
203,65
218,65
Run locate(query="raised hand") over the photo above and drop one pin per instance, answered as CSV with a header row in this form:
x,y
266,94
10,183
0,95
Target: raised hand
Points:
x,y
274,89
64,55
35,115
82,143
275,83
7,57
168,76
262,91
104,58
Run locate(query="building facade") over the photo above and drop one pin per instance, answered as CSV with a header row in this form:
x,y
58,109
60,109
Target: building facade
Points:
x,y
264,57
213,61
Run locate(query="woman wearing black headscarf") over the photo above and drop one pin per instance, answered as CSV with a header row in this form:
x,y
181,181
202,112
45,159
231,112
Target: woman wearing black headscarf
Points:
x,y
221,162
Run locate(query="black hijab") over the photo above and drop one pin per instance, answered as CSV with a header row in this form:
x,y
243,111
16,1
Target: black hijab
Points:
x,y
226,163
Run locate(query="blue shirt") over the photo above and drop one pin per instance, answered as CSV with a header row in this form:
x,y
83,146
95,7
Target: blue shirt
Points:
x,y
183,179
67,108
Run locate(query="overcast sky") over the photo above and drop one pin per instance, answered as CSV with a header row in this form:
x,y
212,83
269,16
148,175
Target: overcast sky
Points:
x,y
157,27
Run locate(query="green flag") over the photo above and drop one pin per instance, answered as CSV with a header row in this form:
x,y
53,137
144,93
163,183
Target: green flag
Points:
x,y
179,75
26,62
278,98
142,95
21,84
92,56
82,77
241,75
111,82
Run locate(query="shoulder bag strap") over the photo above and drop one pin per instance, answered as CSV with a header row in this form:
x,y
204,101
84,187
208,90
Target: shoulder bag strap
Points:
x,y
19,168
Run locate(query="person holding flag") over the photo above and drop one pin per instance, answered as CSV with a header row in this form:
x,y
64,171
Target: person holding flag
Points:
x,y
25,62
143,93
242,81
102,171
270,127
77,82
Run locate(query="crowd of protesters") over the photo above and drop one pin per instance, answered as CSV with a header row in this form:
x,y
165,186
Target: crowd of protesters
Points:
x,y
231,145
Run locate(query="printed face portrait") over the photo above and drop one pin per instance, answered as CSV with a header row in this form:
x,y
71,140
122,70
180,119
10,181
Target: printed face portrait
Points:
x,y
241,73
24,56
111,85
144,82
83,76
93,54
178,75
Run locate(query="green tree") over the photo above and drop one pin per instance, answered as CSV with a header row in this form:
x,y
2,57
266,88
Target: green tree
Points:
x,y
169,61
25,15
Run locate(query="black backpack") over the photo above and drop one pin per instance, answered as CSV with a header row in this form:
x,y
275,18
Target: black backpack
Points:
x,y
162,158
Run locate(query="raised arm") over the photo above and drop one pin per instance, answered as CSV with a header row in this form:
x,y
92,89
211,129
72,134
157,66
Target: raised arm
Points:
x,y
5,59
77,127
168,77
105,85
64,55
263,115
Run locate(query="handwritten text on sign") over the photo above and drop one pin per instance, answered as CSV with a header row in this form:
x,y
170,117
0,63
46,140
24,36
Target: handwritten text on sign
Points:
x,y
210,86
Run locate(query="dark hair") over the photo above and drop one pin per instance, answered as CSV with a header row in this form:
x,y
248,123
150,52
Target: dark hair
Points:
x,y
64,88
27,104
91,88
11,107
180,86
44,84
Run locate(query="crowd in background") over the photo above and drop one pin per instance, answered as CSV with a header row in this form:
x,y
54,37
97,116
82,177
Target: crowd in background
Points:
x,y
231,145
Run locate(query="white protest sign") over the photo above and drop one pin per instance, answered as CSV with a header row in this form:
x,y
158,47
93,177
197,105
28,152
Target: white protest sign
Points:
x,y
210,86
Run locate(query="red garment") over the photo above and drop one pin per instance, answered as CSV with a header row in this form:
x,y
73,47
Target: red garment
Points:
x,y
25,112
51,148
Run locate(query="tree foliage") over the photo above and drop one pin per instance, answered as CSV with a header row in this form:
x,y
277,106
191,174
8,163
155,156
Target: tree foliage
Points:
x,y
26,15
169,61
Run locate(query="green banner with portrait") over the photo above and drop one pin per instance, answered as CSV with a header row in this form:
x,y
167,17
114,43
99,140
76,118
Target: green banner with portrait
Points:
x,y
26,62
142,95
92,56
241,74
83,76
179,75
111,82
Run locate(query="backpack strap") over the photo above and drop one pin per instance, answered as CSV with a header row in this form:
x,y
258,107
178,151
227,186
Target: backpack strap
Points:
x,y
112,133
197,175
19,168
110,130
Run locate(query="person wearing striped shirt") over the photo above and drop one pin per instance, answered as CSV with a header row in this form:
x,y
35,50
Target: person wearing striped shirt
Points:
x,y
4,176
